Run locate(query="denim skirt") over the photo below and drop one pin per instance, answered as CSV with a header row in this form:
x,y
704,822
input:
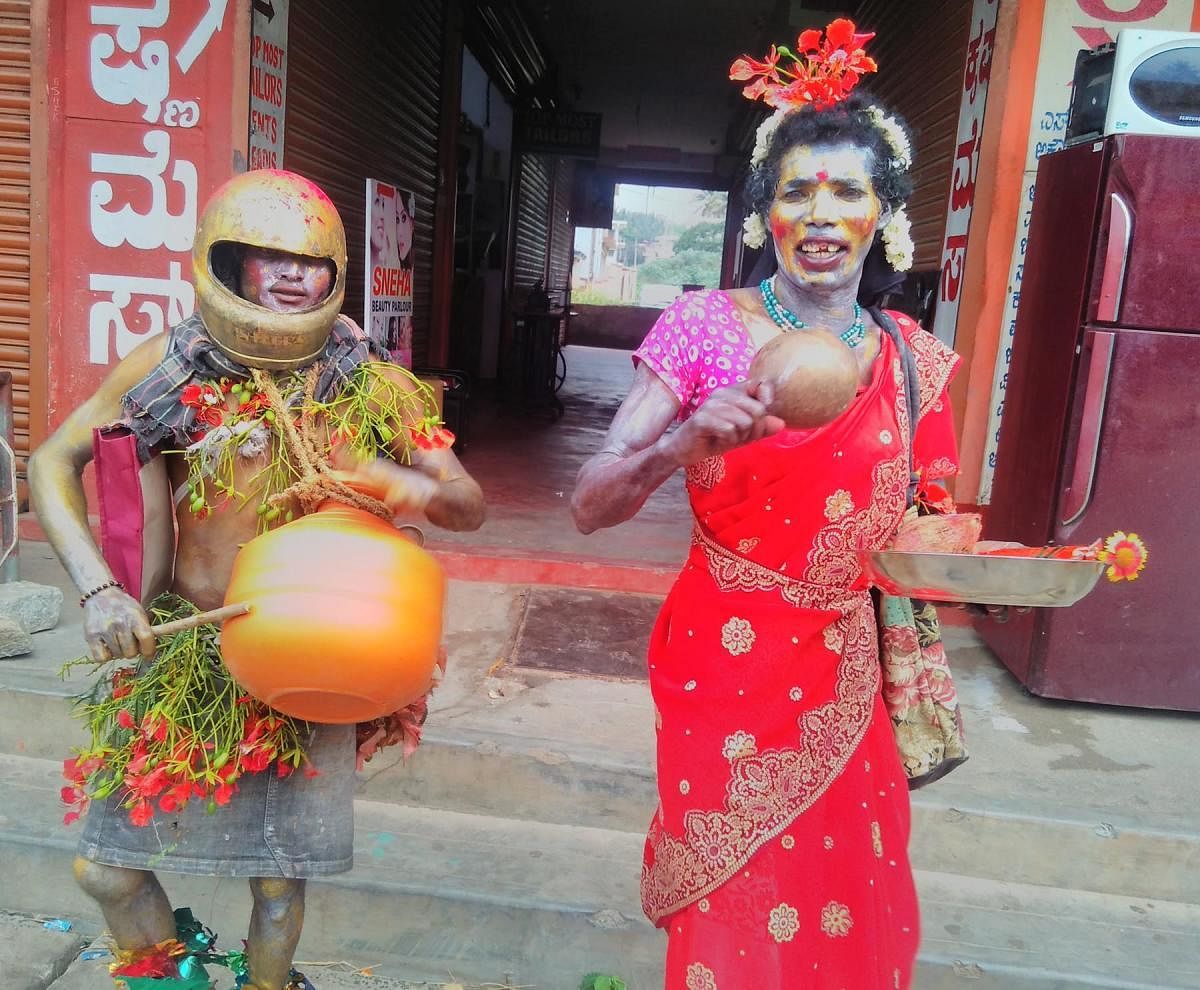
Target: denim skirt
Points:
x,y
298,826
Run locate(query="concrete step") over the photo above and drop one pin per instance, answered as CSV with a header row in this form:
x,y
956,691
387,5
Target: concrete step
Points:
x,y
92,974
433,893
539,780
985,934
33,956
464,769
437,894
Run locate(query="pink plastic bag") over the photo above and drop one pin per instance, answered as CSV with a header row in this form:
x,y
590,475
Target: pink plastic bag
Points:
x,y
137,519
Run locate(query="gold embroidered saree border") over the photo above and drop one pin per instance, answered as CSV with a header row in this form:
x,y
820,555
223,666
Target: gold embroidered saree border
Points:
x,y
769,790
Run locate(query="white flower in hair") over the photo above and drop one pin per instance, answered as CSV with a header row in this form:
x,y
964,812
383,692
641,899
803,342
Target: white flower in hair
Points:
x,y
894,134
898,246
754,231
762,137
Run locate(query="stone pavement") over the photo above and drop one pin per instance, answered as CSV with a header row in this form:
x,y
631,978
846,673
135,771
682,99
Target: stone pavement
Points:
x,y
1066,853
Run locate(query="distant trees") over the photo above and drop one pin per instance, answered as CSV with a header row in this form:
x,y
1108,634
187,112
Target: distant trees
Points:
x,y
701,237
637,230
696,258
697,249
699,267
712,204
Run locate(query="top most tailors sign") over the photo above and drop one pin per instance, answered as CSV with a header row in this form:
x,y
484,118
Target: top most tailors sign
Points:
x,y
559,132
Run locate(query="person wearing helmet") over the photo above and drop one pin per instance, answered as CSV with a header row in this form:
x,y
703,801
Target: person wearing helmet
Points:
x,y
267,342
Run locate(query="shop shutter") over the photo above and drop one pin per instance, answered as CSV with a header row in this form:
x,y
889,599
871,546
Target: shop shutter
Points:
x,y
363,101
532,216
562,231
14,213
921,50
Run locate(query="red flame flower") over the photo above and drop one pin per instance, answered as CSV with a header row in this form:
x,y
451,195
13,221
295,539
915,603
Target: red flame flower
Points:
x,y
141,813
823,73
174,798
748,68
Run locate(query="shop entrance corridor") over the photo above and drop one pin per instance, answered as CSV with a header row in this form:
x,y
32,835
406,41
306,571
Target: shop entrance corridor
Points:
x,y
526,464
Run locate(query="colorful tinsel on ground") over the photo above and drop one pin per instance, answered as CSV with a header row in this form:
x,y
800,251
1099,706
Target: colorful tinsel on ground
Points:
x,y
180,962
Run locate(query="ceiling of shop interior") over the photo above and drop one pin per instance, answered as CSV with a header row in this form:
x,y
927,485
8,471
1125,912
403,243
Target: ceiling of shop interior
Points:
x,y
658,69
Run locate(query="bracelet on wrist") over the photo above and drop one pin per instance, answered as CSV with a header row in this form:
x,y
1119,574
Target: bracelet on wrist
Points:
x,y
99,588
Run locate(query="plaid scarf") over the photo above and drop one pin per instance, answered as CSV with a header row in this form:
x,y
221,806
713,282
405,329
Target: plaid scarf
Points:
x,y
154,413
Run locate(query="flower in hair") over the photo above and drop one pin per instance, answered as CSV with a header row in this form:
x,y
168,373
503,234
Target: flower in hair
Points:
x,y
754,231
822,71
898,246
762,137
893,133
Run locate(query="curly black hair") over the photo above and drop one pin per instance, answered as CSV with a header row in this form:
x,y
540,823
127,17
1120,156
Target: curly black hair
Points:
x,y
850,122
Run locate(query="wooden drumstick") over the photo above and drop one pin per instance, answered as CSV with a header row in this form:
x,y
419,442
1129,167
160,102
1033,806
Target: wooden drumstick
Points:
x,y
217,615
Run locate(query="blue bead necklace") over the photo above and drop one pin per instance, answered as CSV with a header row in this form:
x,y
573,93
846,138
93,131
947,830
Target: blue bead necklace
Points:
x,y
852,336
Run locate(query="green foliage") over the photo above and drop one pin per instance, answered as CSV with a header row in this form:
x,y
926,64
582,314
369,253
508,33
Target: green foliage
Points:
x,y
701,237
598,981
591,296
702,267
638,230
640,226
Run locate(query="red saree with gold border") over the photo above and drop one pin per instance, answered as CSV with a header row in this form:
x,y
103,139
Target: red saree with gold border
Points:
x,y
778,856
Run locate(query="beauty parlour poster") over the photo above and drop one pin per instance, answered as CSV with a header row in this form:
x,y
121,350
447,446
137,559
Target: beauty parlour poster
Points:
x,y
389,268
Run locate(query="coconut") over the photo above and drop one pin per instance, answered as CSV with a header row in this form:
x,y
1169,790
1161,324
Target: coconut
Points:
x,y
813,375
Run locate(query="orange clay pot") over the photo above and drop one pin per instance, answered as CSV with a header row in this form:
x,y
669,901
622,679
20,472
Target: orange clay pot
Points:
x,y
346,617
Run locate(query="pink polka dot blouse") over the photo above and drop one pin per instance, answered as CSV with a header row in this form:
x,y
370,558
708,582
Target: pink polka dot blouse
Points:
x,y
698,345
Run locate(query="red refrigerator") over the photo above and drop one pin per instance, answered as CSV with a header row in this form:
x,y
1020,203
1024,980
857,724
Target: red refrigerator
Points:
x,y
1101,428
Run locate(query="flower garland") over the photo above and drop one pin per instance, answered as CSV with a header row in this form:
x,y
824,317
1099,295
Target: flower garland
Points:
x,y
762,137
754,231
383,411
898,246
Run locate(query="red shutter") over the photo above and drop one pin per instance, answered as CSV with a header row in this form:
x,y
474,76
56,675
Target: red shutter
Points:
x,y
14,213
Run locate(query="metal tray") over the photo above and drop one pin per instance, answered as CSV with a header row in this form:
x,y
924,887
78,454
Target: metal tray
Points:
x,y
983,579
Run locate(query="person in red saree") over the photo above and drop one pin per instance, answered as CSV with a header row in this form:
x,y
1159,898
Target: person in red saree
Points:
x,y
778,855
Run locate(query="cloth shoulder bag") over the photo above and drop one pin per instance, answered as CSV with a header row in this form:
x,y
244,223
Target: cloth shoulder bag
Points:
x,y
918,690
137,517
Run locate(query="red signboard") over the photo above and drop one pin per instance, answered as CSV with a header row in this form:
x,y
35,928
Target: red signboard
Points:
x,y
142,129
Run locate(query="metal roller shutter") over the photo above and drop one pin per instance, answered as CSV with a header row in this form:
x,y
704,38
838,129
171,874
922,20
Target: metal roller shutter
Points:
x,y
562,232
14,213
921,49
363,101
532,216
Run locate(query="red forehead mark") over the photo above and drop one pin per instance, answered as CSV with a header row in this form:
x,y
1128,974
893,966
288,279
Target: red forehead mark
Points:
x,y
822,176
